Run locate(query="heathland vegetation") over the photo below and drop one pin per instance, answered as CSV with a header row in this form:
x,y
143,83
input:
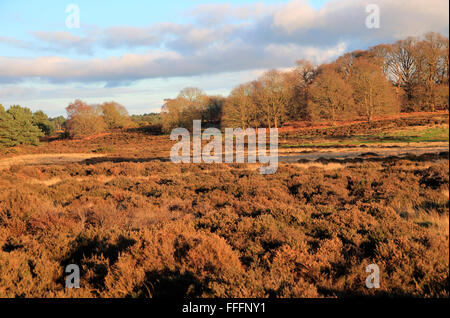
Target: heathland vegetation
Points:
x,y
155,229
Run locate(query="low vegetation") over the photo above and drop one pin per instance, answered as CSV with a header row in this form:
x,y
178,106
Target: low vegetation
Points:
x,y
416,135
159,229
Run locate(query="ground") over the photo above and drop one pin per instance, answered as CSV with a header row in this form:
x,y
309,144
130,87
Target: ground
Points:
x,y
138,225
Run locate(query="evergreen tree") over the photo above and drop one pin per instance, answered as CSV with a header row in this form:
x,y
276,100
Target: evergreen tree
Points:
x,y
16,127
41,120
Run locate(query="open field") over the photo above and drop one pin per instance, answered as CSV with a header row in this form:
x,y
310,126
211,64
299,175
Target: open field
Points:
x,y
401,137
140,226
418,128
46,159
310,154
404,136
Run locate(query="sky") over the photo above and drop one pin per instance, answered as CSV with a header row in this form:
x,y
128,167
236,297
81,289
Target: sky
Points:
x,y
138,53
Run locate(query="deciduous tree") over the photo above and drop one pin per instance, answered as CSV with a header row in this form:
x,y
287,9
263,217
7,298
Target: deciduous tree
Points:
x,y
331,98
115,115
240,109
83,120
373,94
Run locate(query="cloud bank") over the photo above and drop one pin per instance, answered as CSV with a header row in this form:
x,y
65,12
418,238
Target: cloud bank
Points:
x,y
222,38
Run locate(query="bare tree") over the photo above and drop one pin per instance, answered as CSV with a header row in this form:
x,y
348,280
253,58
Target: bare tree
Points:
x,y
400,64
297,84
240,109
373,94
330,97
431,56
272,97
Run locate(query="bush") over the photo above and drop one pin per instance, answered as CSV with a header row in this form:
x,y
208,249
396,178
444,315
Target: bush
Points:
x,y
83,120
115,115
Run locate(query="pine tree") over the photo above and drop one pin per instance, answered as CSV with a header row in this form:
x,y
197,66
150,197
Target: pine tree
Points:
x,y
41,120
16,127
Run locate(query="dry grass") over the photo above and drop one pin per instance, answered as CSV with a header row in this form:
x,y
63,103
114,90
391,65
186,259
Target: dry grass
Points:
x,y
46,159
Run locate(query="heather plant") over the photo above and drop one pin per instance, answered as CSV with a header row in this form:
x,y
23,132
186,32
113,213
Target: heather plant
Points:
x,y
155,229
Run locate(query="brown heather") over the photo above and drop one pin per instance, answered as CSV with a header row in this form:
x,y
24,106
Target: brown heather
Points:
x,y
156,229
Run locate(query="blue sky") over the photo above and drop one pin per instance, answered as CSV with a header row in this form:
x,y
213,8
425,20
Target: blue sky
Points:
x,y
138,53
18,18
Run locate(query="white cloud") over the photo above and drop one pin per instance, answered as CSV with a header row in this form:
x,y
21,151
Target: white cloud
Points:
x,y
399,18
296,15
130,67
16,42
214,14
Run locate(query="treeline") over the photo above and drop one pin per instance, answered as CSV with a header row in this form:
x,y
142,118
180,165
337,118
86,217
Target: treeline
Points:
x,y
190,104
409,75
86,120
146,120
19,125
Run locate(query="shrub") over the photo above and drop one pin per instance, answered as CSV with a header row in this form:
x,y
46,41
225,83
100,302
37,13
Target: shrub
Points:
x,y
83,120
115,115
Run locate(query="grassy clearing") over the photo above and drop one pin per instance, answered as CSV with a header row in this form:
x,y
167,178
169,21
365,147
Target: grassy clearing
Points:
x,y
414,134
421,134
